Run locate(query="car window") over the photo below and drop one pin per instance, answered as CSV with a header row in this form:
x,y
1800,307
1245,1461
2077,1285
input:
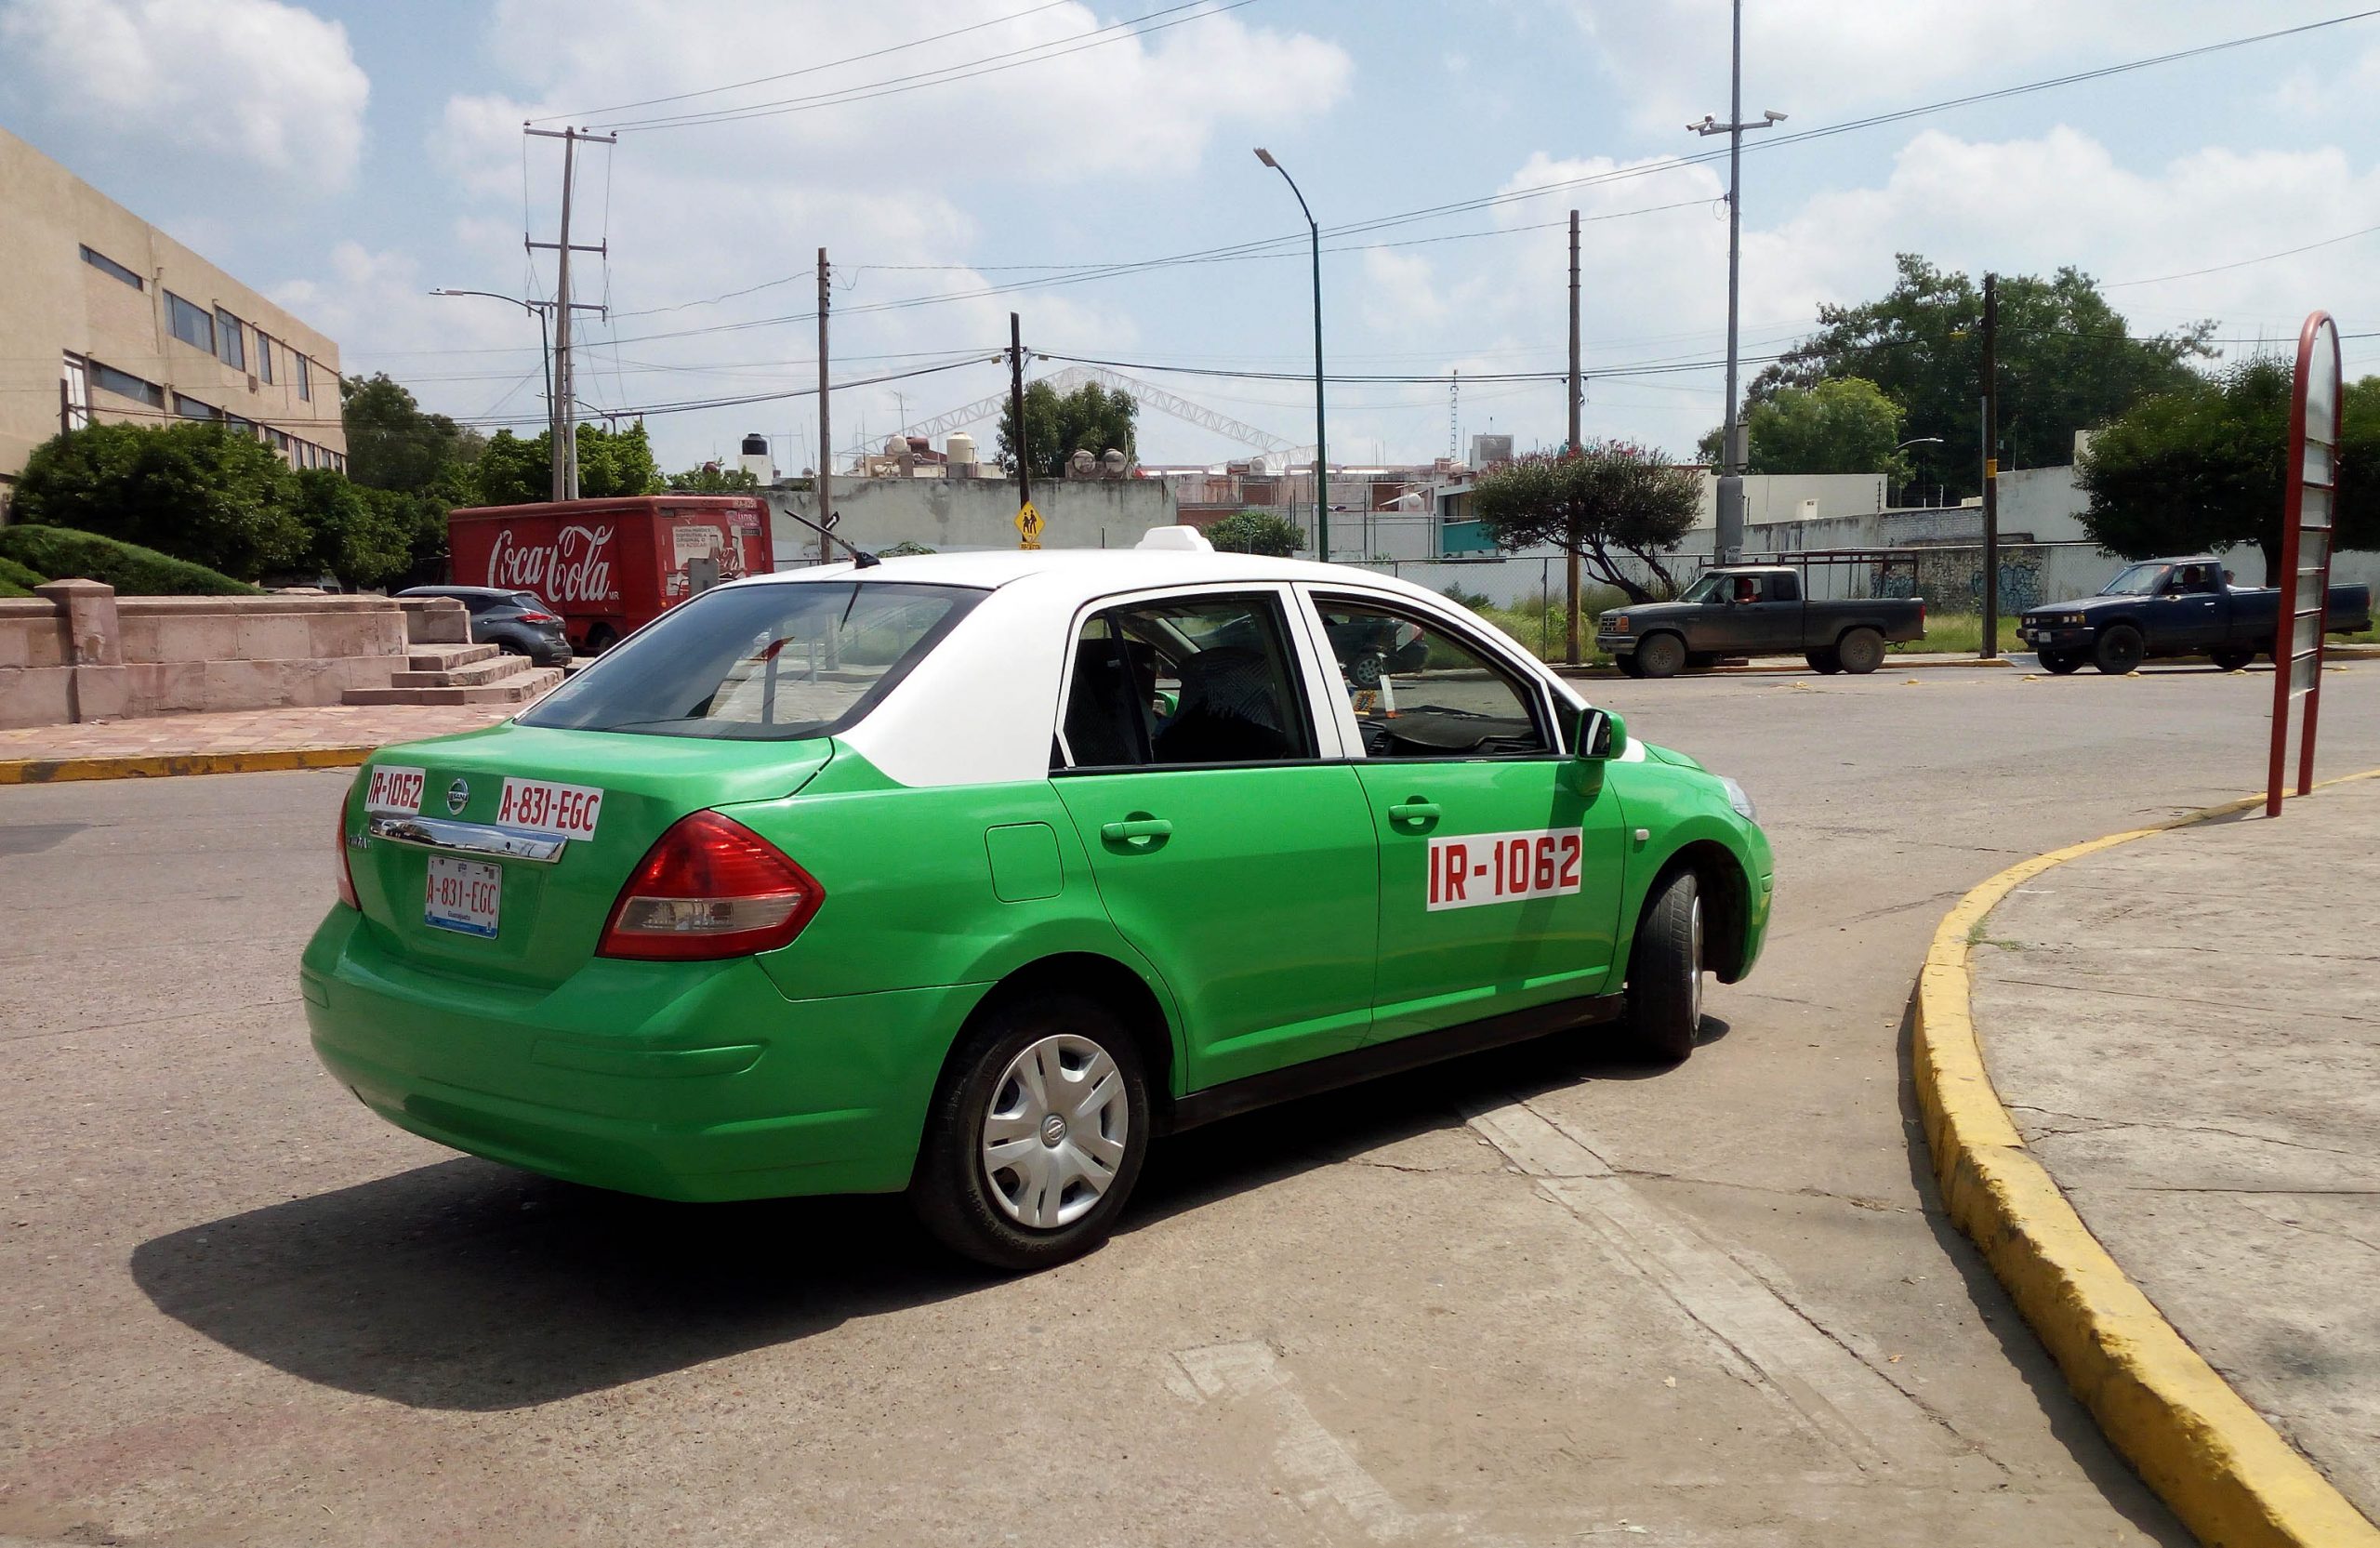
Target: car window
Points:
x,y
1185,680
1420,692
1784,588
2138,580
759,662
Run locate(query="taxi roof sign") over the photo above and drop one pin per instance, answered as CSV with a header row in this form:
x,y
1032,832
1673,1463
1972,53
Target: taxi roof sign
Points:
x,y
1177,539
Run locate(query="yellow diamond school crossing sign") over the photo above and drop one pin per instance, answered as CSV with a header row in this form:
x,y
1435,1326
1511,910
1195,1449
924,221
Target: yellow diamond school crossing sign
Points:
x,y
1028,526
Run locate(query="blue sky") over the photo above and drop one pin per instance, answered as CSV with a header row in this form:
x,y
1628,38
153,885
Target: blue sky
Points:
x,y
348,158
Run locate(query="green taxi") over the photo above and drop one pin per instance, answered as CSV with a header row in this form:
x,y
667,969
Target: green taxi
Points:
x,y
967,874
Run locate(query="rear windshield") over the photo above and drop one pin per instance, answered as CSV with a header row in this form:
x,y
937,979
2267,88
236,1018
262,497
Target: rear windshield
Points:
x,y
759,662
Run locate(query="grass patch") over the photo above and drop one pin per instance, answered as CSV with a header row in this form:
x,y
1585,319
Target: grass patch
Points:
x,y
1538,624
1957,634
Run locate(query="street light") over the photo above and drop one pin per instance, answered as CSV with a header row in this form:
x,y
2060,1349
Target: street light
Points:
x,y
544,349
1920,441
1321,457
1730,535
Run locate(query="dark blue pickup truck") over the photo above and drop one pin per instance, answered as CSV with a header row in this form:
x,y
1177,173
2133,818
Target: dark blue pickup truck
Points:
x,y
2183,606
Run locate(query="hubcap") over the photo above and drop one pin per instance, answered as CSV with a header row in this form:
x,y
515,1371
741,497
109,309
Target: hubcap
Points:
x,y
1694,967
1053,1136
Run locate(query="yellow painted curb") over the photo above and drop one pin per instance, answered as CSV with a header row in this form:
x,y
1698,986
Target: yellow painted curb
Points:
x,y
51,770
2225,1470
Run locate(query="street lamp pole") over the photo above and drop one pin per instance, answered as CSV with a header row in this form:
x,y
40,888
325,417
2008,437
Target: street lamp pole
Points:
x,y
1321,456
1916,441
544,349
1730,536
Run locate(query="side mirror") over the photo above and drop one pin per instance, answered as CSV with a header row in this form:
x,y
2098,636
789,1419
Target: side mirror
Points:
x,y
1602,735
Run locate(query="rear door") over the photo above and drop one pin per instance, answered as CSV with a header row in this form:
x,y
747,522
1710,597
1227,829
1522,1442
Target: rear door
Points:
x,y
1229,850
1500,856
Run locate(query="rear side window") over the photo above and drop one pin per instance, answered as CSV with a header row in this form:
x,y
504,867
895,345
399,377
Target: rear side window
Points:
x,y
1187,681
761,663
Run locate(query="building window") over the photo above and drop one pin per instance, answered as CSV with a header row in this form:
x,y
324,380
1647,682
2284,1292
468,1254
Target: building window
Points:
x,y
244,426
338,461
193,325
280,441
305,376
264,357
126,385
111,268
74,400
191,408
232,348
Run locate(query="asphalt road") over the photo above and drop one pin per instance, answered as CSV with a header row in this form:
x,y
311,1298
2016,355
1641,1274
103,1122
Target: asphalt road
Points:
x,y
1534,1297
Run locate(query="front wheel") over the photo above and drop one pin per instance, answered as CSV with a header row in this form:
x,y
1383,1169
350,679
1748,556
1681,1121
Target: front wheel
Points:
x,y
1628,665
2231,661
1665,971
1661,656
2060,662
1823,662
1036,1137
2120,650
1861,651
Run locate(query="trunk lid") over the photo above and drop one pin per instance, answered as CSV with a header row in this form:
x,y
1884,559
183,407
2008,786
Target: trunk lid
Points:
x,y
548,915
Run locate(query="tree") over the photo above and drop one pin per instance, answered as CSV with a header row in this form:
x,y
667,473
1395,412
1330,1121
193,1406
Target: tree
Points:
x,y
611,463
1605,500
1843,424
2205,466
2066,362
392,445
713,477
361,536
196,490
1257,532
1089,418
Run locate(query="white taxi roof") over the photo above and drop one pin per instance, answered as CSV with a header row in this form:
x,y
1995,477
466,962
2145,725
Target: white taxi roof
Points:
x,y
1098,571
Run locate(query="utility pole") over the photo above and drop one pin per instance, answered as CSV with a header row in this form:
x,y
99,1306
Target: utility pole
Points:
x,y
1729,541
1991,643
565,447
818,484
1570,564
1016,410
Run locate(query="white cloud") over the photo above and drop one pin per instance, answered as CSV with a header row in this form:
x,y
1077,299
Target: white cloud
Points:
x,y
255,80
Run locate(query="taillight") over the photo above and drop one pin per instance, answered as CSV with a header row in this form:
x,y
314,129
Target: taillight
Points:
x,y
709,887
539,618
346,871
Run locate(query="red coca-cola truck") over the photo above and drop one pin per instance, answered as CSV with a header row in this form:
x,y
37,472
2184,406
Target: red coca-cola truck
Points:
x,y
609,567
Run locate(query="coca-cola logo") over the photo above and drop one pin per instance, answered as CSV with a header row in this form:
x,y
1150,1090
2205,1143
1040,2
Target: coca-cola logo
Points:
x,y
575,567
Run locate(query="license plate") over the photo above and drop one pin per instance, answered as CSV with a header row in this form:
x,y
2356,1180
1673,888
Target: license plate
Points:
x,y
541,806
462,895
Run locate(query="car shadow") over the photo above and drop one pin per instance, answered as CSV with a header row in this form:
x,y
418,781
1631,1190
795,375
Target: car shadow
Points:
x,y
467,1286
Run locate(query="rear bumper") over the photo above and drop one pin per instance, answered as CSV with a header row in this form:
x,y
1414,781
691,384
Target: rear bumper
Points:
x,y
690,1081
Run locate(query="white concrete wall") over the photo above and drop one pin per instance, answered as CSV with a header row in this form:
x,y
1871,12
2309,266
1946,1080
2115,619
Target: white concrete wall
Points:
x,y
949,515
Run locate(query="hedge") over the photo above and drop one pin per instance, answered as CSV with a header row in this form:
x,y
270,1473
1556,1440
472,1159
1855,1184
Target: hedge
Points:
x,y
62,552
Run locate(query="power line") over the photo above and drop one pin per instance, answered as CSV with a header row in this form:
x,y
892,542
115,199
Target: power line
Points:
x,y
2242,263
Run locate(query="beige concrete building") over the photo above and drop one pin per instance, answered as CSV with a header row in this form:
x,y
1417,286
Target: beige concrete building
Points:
x,y
104,317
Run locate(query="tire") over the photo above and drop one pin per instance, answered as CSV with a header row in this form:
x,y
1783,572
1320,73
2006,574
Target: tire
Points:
x,y
601,639
2061,662
2118,650
1006,1216
1824,662
1860,651
1659,655
2230,661
1365,671
1627,665
1665,971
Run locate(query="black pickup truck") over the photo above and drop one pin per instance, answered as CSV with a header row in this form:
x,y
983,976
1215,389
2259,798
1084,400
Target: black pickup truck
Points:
x,y
1755,610
2163,607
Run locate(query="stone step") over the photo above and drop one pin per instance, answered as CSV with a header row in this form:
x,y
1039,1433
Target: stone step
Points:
x,y
517,689
439,658
494,669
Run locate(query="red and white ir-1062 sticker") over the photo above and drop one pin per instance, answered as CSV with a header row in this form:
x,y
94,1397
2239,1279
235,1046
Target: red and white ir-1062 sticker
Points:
x,y
394,790
1474,869
540,806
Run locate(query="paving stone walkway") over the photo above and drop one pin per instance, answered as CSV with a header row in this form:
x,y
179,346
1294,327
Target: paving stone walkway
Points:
x,y
248,731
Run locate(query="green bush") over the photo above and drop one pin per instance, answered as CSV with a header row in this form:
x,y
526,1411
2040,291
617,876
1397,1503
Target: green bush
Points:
x,y
63,554
24,577
198,489
1262,532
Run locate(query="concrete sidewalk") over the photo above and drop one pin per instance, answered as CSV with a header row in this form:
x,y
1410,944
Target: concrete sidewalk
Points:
x,y
322,730
2187,1031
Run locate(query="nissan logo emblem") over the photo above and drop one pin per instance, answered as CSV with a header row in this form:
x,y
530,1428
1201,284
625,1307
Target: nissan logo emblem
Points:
x,y
458,795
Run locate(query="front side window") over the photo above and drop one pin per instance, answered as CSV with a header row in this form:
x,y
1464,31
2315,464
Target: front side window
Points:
x,y
761,663
1185,680
1419,692
228,339
193,324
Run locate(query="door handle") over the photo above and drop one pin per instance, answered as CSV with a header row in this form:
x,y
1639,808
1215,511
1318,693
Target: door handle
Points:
x,y
1139,831
1416,813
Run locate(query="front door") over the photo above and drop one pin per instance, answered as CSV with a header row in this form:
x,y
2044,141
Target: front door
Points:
x,y
2189,613
1226,851
1499,855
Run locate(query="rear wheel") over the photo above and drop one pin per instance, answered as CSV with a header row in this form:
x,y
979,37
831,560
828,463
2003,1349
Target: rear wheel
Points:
x,y
1665,971
601,639
2120,649
2231,661
2060,662
1860,651
1824,662
1037,1136
1659,655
